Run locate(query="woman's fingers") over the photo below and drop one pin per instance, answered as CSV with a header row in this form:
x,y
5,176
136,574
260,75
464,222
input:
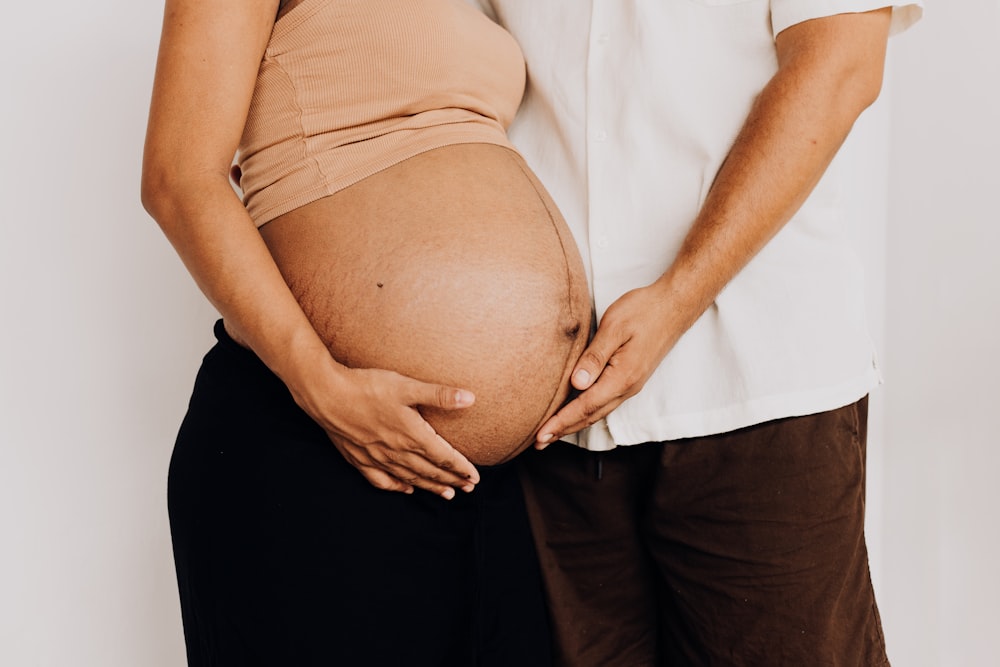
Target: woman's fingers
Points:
x,y
381,479
437,456
380,429
437,396
401,469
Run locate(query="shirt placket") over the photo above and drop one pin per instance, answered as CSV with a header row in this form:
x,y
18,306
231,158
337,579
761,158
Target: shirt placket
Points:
x,y
599,163
599,153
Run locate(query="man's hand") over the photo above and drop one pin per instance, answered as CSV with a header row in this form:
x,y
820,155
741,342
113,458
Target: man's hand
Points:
x,y
635,334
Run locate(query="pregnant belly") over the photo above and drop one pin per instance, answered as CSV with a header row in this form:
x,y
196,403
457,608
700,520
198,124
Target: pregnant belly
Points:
x,y
452,267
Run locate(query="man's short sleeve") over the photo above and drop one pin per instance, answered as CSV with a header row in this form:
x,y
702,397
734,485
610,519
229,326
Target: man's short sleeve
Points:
x,y
785,13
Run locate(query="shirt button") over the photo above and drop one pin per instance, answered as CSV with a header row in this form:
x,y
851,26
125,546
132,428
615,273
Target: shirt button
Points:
x,y
602,242
603,38
601,135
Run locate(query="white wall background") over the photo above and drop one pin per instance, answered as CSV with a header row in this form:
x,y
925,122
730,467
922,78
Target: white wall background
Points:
x,y
101,332
941,532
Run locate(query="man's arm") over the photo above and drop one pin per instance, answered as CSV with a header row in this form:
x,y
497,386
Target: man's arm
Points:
x,y
829,71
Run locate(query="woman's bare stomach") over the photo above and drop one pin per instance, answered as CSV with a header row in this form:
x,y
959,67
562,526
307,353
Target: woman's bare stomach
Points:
x,y
452,267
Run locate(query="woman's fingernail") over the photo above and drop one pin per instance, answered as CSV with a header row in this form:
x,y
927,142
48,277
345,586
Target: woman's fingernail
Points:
x,y
544,438
581,377
469,488
448,493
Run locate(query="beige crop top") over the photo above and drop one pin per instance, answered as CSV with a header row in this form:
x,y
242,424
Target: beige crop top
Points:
x,y
347,88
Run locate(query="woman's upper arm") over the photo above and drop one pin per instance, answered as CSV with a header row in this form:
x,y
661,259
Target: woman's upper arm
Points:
x,y
210,51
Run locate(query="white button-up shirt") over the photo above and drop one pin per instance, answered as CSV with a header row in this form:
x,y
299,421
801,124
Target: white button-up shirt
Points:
x,y
631,108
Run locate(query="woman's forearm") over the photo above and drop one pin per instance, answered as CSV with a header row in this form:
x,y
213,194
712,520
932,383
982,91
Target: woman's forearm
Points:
x,y
225,254
370,415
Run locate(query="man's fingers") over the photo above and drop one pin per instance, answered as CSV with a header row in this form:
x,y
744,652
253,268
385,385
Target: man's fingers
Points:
x,y
584,410
594,359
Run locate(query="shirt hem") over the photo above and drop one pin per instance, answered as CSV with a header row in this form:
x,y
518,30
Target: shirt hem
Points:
x,y
622,432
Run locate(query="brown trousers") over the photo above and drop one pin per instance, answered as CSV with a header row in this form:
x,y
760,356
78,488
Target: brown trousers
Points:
x,y
745,548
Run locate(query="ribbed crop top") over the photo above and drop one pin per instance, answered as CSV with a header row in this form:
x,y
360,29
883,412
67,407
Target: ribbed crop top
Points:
x,y
347,88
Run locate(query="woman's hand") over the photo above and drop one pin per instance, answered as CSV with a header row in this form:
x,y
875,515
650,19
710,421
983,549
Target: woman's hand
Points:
x,y
372,417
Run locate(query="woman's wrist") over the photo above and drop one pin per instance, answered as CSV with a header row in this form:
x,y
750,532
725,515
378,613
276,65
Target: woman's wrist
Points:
x,y
309,371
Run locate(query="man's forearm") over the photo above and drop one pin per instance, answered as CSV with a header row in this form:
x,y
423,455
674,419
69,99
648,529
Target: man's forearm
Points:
x,y
830,70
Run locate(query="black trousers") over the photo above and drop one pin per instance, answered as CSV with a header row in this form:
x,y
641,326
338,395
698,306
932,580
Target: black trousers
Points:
x,y
285,555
